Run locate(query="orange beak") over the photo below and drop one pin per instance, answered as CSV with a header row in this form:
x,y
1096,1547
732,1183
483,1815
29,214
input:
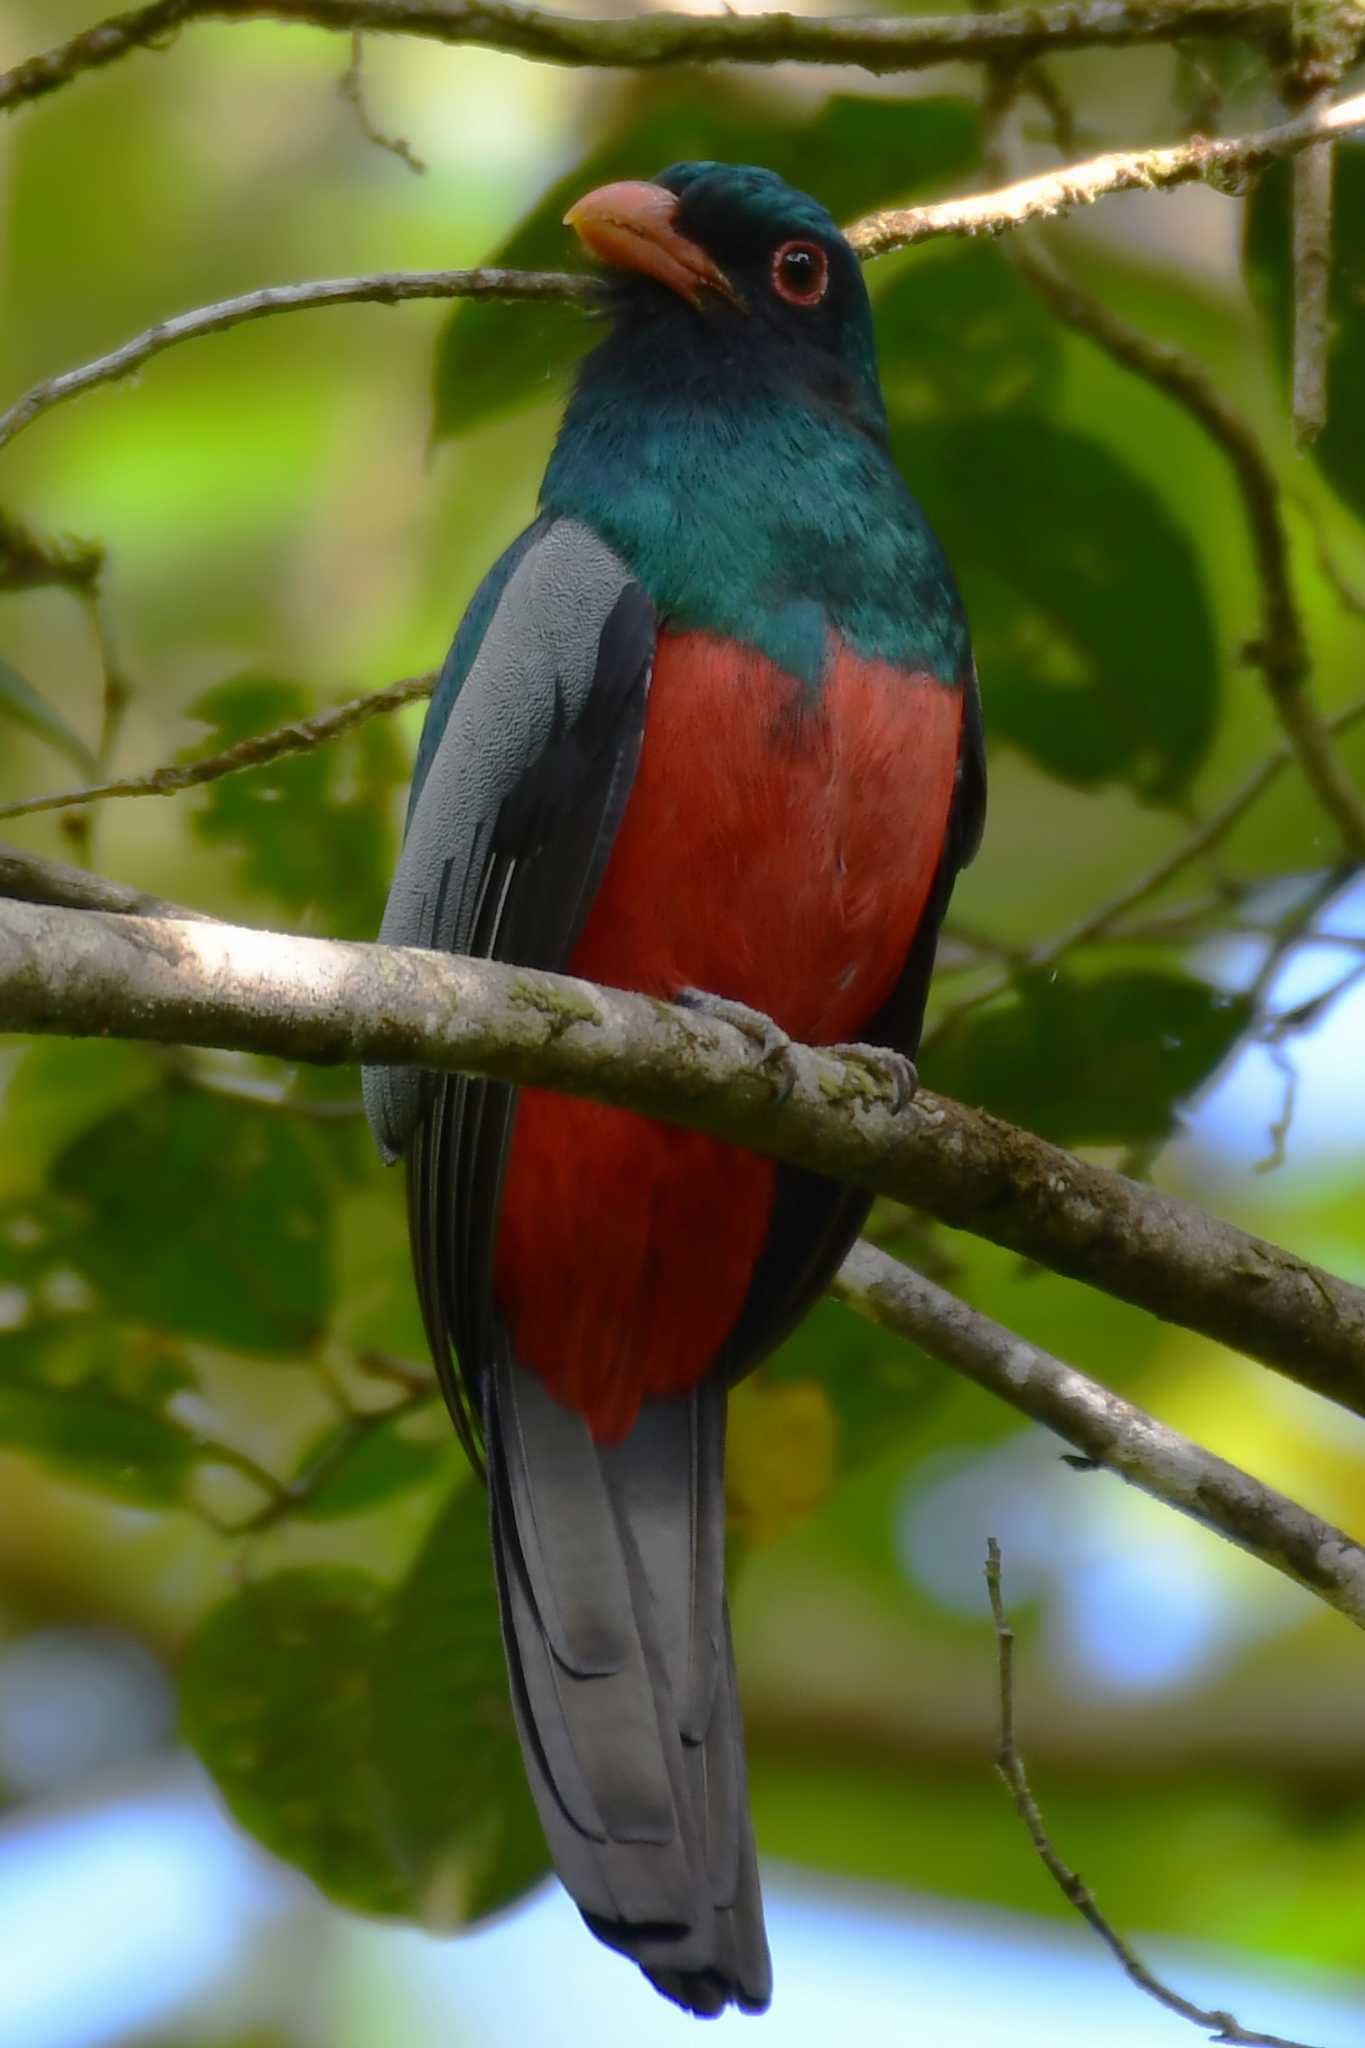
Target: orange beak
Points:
x,y
631,227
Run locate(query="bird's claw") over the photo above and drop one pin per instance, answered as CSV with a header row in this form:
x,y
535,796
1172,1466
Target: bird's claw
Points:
x,y
774,1046
900,1071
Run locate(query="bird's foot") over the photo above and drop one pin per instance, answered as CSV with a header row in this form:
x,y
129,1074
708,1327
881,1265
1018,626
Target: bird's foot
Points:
x,y
775,1047
890,1065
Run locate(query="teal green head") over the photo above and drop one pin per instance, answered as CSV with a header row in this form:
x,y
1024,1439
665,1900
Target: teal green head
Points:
x,y
728,434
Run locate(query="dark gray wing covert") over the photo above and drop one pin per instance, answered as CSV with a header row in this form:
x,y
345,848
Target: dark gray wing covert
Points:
x,y
523,781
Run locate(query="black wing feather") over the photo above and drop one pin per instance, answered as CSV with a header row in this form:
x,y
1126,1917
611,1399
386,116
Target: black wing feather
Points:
x,y
542,862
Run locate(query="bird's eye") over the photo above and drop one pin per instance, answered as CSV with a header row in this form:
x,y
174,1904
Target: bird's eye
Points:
x,y
800,273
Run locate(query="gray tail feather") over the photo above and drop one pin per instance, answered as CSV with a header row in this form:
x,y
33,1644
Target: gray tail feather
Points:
x,y
611,1574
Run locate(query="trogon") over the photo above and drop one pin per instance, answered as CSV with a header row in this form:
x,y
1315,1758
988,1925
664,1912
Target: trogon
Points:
x,y
709,730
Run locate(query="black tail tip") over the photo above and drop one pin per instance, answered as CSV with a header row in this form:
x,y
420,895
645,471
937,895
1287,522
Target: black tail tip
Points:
x,y
703,1988
706,1994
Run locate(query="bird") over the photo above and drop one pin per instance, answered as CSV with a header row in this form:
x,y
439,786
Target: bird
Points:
x,y
709,730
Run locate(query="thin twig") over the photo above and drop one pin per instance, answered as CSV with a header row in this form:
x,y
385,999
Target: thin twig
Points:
x,y
208,1451
351,86
359,1425
1225,164
382,289
651,40
115,696
1285,935
1313,170
1010,1766
253,752
1302,1017
382,1365
1280,1125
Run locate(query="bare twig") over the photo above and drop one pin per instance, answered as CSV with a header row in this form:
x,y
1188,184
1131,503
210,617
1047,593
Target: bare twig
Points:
x,y
1275,1034
351,86
1224,163
116,695
28,878
1055,192
1312,272
1109,1431
289,1496
253,752
1282,1122
81,973
1222,2026
383,289
651,40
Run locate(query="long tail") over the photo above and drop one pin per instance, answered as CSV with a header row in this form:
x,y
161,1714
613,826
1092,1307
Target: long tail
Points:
x,y
611,1572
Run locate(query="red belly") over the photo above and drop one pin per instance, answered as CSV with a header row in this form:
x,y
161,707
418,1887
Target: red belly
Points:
x,y
775,850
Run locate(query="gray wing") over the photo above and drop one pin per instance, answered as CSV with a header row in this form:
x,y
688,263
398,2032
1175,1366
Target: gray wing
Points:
x,y
526,762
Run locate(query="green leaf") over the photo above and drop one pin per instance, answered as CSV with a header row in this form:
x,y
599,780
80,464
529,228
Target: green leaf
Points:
x,y
454,1785
58,1089
87,1398
311,829
367,1737
368,1469
959,334
21,704
276,1693
1339,450
1103,1062
858,153
1091,623
204,1216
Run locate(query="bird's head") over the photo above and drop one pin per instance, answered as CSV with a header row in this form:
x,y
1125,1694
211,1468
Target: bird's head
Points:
x,y
729,260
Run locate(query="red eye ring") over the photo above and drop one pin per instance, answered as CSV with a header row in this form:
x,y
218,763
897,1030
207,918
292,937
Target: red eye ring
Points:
x,y
800,273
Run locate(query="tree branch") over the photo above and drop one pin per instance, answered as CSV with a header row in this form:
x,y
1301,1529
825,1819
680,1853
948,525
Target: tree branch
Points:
x,y
654,40
1073,1888
1053,193
27,878
84,973
1101,1425
1109,1431
1225,163
382,289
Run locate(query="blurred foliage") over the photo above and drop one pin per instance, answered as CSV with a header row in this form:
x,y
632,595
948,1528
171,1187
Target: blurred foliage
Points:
x,y
1339,450
1102,1062
20,704
366,1734
205,1311
310,830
